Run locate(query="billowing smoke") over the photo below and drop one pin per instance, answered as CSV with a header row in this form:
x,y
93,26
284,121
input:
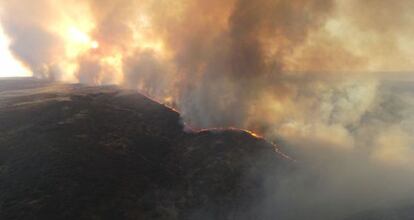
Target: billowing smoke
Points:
x,y
355,152
328,80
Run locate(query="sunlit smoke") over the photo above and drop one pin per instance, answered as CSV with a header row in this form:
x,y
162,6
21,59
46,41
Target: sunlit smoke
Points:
x,y
306,73
10,66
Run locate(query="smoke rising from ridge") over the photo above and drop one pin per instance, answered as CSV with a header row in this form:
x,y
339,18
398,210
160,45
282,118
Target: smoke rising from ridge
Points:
x,y
299,72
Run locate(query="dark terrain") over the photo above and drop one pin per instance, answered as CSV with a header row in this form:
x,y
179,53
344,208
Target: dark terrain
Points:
x,y
77,152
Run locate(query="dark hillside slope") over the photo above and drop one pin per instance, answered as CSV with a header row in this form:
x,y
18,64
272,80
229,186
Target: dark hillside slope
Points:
x,y
77,152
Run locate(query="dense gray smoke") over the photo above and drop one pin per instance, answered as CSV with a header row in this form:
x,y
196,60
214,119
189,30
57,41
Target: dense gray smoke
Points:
x,y
359,164
315,76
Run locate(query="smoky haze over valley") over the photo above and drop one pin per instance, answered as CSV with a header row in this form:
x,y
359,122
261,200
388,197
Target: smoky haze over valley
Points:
x,y
329,82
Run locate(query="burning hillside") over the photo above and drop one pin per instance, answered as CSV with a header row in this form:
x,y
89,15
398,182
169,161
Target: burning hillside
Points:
x,y
329,81
77,152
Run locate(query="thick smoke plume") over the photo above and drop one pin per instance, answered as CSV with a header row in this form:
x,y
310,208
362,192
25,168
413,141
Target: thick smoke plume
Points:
x,y
323,78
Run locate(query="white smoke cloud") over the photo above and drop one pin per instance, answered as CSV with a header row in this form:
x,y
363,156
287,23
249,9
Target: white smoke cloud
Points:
x,y
302,73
